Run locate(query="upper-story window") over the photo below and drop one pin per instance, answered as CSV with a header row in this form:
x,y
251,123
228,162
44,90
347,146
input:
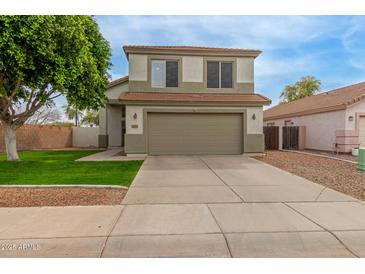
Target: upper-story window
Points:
x,y
219,74
164,73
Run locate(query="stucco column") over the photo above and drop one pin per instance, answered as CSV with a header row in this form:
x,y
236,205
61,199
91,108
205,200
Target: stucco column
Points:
x,y
114,125
102,133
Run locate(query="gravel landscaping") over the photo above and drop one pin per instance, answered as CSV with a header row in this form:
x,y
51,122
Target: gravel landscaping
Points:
x,y
338,175
348,157
59,196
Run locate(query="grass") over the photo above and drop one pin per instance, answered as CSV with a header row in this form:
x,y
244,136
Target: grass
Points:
x,y
59,167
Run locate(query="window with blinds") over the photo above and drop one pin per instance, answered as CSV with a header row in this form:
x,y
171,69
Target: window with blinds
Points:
x,y
219,74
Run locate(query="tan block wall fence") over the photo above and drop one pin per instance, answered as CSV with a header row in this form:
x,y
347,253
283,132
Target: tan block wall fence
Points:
x,y
40,137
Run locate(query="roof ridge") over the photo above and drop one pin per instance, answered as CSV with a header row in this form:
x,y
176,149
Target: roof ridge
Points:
x,y
187,47
343,87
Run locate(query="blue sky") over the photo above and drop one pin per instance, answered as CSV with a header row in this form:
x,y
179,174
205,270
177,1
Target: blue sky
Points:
x,y
330,48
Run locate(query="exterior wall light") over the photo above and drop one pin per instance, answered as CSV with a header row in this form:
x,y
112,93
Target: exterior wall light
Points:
x,y
135,116
351,118
254,116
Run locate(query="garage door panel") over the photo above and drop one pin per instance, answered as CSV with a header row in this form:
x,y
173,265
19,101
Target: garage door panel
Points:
x,y
194,133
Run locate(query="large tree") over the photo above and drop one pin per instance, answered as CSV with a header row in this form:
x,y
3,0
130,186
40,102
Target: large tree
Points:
x,y
306,86
43,57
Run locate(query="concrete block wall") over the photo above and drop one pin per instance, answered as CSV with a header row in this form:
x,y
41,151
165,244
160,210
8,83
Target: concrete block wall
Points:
x,y
85,137
30,137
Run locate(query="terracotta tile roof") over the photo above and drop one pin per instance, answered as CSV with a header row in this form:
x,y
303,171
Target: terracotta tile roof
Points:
x,y
118,81
251,52
195,97
324,102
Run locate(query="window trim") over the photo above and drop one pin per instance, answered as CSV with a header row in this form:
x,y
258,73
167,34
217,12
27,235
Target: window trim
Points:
x,y
220,73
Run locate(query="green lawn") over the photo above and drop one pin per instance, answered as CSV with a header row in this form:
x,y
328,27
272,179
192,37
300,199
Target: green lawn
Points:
x,y
59,167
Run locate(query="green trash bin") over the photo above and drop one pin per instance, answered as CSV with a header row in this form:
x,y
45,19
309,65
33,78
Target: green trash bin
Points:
x,y
361,159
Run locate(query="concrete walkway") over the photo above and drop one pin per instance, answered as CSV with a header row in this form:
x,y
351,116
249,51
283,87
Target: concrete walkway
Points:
x,y
208,206
114,154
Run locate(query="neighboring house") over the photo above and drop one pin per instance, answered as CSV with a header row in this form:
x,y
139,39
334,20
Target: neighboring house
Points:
x,y
334,120
184,100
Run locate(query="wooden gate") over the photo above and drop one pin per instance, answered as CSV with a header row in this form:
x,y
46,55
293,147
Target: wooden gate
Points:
x,y
291,137
271,137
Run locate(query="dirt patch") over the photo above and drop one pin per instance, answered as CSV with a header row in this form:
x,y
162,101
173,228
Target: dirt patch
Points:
x,y
338,175
59,196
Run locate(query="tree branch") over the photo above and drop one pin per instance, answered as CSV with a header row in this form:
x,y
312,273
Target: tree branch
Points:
x,y
30,98
54,97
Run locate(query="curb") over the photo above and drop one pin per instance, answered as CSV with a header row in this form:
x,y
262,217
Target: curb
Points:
x,y
64,186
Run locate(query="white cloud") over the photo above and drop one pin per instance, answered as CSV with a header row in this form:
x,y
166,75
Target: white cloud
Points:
x,y
267,32
273,66
353,42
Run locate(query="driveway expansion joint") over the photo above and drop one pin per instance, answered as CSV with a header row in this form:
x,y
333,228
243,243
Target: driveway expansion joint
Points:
x,y
224,235
327,230
320,193
200,158
110,232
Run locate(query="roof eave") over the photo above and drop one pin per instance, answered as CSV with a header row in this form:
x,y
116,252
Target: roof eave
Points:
x,y
355,100
304,113
190,103
258,100
207,52
119,81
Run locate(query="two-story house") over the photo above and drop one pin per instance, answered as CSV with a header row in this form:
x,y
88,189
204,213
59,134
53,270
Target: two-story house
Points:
x,y
184,100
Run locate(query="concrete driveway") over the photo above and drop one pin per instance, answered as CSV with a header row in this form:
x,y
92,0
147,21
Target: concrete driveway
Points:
x,y
197,206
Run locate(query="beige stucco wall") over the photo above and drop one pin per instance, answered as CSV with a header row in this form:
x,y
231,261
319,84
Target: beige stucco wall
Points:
x,y
113,93
320,128
254,126
85,136
192,73
354,110
192,69
131,121
138,67
245,70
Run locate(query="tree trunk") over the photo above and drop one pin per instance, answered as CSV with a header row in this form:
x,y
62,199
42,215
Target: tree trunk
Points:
x,y
10,143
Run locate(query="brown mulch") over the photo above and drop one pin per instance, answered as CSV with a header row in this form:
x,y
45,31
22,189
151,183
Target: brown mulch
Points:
x,y
59,196
338,175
